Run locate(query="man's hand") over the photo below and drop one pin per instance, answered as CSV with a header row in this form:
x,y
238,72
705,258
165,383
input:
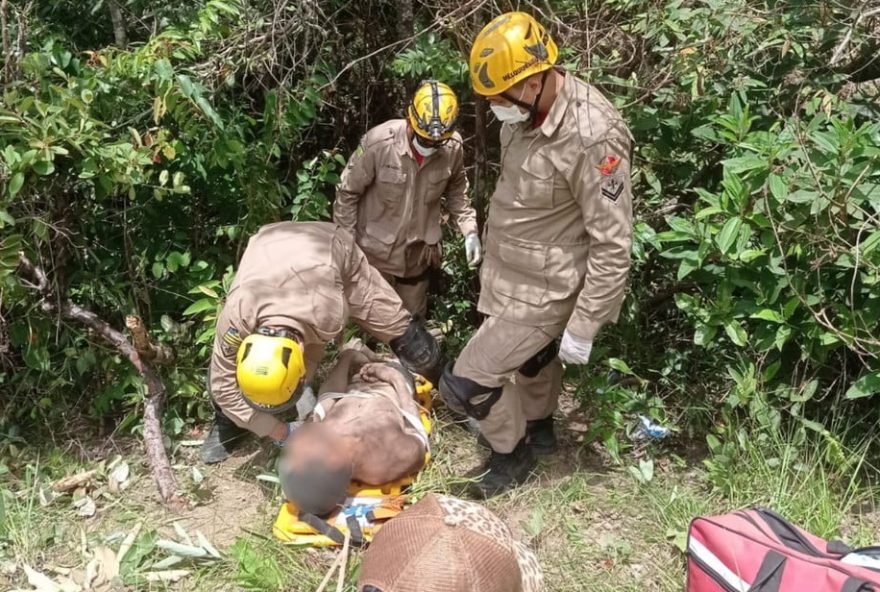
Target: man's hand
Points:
x,y
574,350
473,249
378,373
283,431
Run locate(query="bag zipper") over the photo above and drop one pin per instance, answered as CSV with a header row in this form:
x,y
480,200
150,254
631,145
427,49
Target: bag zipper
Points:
x,y
833,558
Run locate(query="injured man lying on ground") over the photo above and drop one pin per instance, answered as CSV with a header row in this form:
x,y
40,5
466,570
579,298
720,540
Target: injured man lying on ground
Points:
x,y
365,427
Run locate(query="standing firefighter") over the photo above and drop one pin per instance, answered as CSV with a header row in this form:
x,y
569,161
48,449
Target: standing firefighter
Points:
x,y
296,286
557,240
389,195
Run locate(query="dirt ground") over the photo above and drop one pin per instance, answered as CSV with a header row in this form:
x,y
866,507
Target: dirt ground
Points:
x,y
591,524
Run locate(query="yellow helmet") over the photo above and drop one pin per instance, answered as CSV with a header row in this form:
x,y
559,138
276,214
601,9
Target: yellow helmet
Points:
x,y
269,369
433,111
512,47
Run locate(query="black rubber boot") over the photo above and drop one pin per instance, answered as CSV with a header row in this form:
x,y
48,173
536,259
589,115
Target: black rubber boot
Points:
x,y
540,433
504,471
223,438
542,436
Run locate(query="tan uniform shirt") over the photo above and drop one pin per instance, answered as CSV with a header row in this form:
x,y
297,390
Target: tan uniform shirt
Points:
x,y
392,205
308,276
559,230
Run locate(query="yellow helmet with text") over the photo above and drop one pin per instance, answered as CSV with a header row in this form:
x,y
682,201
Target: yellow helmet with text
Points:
x,y
512,47
433,111
269,369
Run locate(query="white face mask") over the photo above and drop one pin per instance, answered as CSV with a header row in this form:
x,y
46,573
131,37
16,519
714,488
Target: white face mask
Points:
x,y
423,150
509,114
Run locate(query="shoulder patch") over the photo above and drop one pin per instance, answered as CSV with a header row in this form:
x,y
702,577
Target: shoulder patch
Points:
x,y
608,165
612,187
230,341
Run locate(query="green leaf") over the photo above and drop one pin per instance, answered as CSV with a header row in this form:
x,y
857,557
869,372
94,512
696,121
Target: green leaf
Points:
x,y
15,184
208,292
6,219
728,235
202,305
686,266
620,366
867,385
87,96
164,70
158,270
806,393
44,167
163,178
704,334
768,314
736,333
742,164
186,85
870,243
208,110
778,188
783,334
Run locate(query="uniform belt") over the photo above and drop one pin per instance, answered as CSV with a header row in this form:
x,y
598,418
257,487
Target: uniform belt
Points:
x,y
413,279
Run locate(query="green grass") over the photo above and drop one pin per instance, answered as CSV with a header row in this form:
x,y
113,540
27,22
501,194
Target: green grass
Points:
x,y
592,525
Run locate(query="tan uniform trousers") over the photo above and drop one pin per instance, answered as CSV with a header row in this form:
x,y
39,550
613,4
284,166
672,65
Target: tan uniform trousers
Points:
x,y
492,357
413,294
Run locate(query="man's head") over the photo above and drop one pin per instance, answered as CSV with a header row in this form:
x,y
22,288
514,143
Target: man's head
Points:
x,y
509,63
316,469
270,368
432,115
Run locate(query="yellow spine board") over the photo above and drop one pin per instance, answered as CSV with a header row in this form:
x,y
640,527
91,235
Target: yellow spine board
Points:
x,y
289,529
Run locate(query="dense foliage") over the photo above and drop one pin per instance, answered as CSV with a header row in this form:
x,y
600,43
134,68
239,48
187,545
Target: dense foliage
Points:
x,y
139,152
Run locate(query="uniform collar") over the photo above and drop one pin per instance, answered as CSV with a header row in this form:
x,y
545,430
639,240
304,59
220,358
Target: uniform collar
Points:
x,y
401,142
559,107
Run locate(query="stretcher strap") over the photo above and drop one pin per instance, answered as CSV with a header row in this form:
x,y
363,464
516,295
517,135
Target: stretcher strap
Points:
x,y
333,533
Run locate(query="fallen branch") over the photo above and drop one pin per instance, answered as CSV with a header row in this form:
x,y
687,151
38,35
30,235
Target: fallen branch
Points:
x,y
156,455
74,481
145,347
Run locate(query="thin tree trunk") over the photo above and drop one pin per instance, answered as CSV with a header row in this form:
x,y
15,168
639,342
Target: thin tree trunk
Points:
x,y
7,50
119,31
157,458
481,166
405,30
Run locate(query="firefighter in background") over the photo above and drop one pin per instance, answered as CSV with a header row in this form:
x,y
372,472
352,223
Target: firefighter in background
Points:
x,y
557,244
390,193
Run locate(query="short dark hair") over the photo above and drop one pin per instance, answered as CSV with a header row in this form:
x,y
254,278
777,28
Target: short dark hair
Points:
x,y
316,488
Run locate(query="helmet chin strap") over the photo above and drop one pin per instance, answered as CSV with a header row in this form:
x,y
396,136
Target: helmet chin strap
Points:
x,y
533,108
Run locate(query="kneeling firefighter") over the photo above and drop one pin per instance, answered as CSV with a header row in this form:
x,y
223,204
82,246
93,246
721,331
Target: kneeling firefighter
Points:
x,y
296,287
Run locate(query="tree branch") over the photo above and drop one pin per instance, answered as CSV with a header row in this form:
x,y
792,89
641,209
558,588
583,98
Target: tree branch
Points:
x,y
119,32
7,51
156,455
146,348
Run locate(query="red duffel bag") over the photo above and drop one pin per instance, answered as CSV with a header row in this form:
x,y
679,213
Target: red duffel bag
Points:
x,y
760,551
